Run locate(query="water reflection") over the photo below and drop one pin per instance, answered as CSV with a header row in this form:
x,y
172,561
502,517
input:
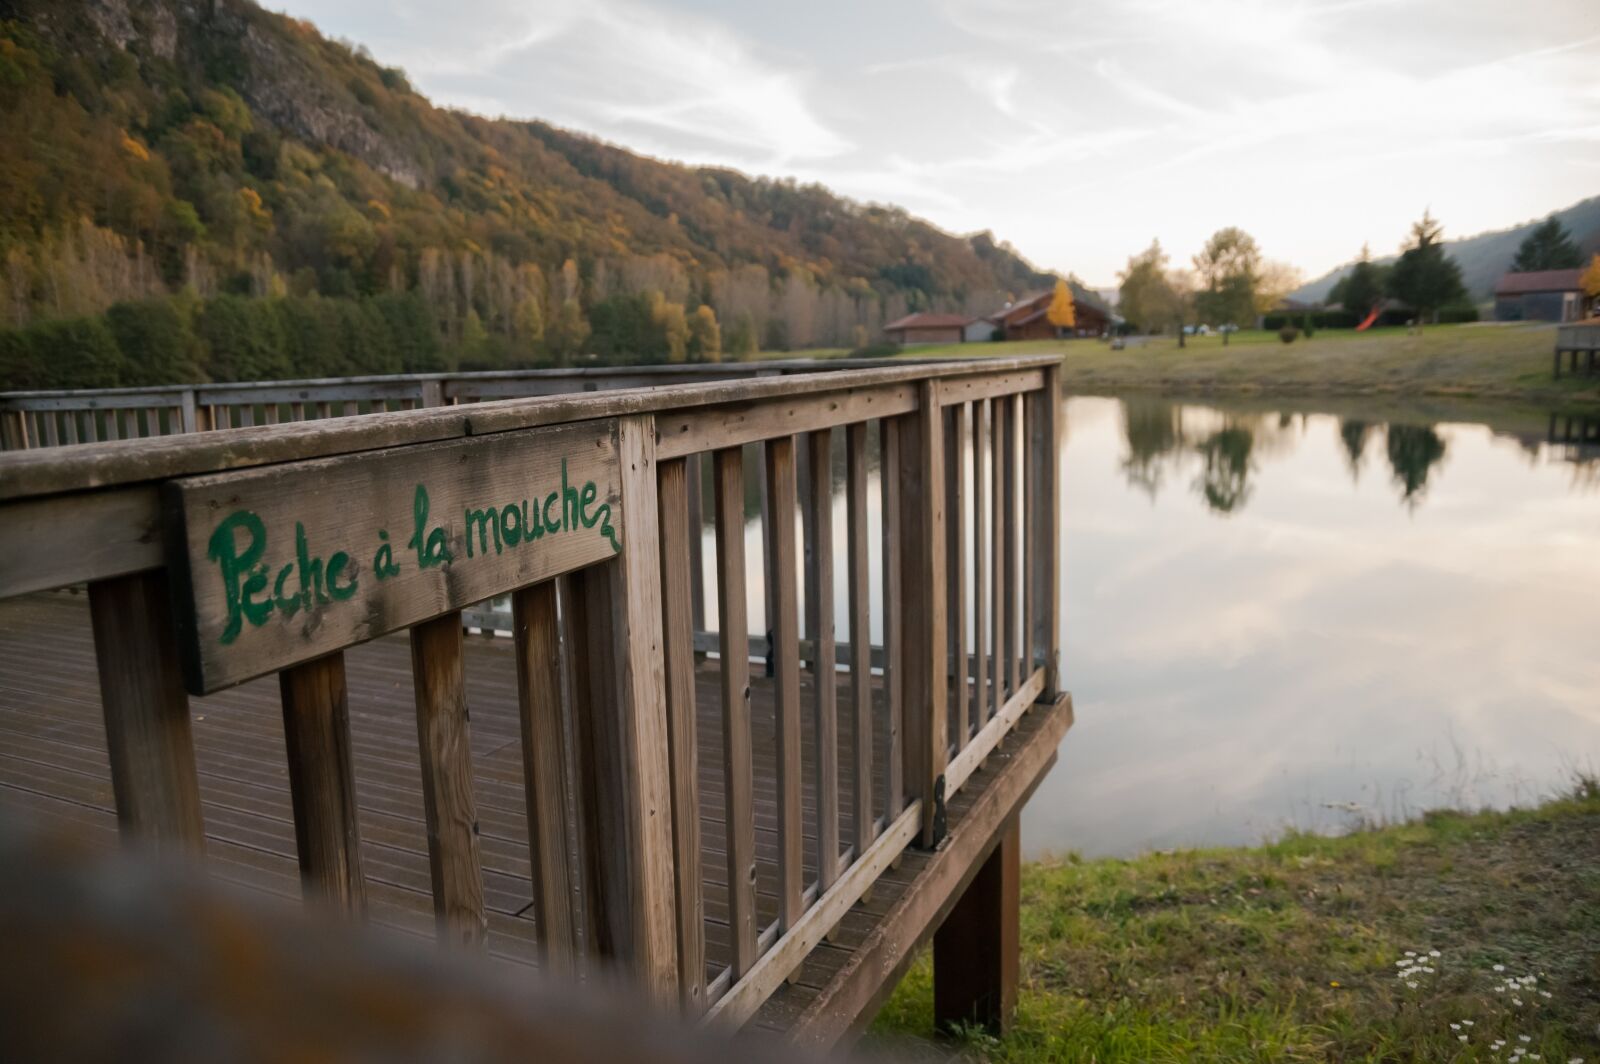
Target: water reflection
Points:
x,y
1284,614
1162,435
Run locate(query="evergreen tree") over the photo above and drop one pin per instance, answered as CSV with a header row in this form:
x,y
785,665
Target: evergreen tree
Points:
x,y
1362,286
1549,247
156,341
75,353
1425,279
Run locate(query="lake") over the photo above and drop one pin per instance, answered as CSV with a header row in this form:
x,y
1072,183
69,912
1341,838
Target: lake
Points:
x,y
1298,616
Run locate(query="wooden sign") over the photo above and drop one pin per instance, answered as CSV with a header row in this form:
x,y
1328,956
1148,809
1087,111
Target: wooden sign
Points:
x,y
282,564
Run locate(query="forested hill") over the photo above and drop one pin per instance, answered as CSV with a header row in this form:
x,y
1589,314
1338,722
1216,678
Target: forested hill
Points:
x,y
1485,257
210,167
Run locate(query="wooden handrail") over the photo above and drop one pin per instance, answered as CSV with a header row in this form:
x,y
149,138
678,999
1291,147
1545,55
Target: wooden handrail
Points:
x,y
603,625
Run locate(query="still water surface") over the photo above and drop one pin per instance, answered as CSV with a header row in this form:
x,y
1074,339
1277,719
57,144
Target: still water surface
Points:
x,y
1286,618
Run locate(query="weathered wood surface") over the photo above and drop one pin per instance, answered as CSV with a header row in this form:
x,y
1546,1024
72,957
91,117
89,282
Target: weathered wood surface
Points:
x,y
39,472
53,765
288,563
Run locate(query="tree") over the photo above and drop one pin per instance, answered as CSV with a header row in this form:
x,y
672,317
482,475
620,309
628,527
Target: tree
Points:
x,y
1413,452
742,341
1548,247
1149,296
1425,279
670,326
1061,313
568,332
1362,287
705,336
157,342
1591,282
1228,274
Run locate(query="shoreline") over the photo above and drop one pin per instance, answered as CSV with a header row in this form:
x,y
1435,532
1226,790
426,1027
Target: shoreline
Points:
x,y
1311,947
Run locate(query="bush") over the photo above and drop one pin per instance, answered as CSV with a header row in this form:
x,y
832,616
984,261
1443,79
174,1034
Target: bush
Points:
x,y
1306,326
1288,333
1456,315
881,349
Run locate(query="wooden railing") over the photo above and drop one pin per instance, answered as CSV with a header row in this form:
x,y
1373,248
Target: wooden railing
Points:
x,y
91,415
201,551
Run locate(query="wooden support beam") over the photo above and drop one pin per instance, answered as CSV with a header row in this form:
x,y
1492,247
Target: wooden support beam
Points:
x,y
444,739
316,728
737,752
818,508
679,526
956,563
923,609
976,950
999,533
146,712
783,600
536,642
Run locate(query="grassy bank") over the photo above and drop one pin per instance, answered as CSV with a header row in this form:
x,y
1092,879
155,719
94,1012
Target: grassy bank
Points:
x,y
1487,361
1300,950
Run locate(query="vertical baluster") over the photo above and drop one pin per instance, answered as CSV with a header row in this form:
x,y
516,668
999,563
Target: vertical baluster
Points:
x,y
859,571
697,562
316,727
737,766
70,418
893,667
537,643
52,437
1013,582
271,411
923,616
678,531
820,628
297,411
91,426
1045,487
113,426
997,571
980,561
13,434
350,408
956,563
146,712
783,599
444,737
247,414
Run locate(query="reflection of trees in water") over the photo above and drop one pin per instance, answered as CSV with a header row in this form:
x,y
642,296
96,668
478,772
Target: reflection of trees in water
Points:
x,y
1413,452
1354,435
1154,430
1225,482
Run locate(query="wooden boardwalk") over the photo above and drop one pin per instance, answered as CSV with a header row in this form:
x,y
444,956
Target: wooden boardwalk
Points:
x,y
612,788
54,768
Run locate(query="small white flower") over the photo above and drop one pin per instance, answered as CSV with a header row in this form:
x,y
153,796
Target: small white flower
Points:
x,y
1466,1023
1544,993
1412,983
1499,967
1455,1027
1517,1002
1411,953
1434,953
1524,1038
1461,1038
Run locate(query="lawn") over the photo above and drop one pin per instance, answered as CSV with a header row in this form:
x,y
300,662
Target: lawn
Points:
x,y
1478,360
1398,943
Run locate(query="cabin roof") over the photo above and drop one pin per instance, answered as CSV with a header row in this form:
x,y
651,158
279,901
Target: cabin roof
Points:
x,y
926,320
1516,284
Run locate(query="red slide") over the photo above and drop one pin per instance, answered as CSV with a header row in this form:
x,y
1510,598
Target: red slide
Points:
x,y
1370,318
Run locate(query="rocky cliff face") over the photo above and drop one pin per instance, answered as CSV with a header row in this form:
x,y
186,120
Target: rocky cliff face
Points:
x,y
274,77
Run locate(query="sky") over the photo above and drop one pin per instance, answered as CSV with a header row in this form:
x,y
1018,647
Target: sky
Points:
x,y
1078,130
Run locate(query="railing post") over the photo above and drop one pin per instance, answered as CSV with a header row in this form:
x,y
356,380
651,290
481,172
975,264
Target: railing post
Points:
x,y
433,392
627,781
322,786
923,613
189,410
13,430
1044,488
146,712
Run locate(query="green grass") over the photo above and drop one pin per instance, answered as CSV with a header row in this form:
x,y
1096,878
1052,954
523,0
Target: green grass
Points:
x,y
1463,361
1289,951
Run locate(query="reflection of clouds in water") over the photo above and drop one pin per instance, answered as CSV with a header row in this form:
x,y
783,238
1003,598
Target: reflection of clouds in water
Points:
x,y
1322,645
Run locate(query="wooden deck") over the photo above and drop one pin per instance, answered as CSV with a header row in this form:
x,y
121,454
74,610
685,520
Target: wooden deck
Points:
x,y
54,767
